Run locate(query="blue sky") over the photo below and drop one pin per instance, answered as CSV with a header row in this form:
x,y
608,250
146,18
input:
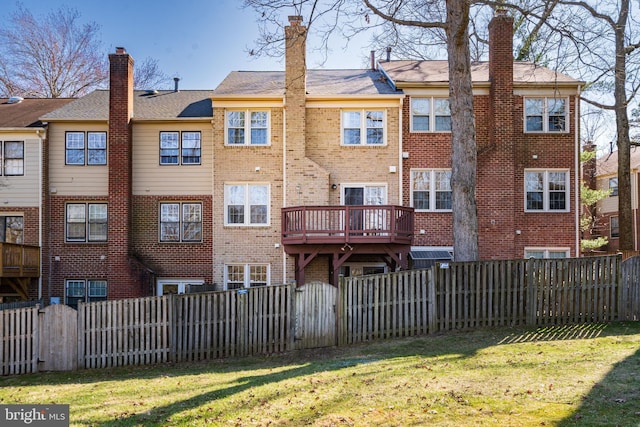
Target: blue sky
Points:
x,y
201,41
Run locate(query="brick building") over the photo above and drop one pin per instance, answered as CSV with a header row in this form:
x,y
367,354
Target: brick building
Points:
x,y
606,178
302,175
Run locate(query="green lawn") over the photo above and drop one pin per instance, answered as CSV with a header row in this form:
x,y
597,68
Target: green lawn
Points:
x,y
555,376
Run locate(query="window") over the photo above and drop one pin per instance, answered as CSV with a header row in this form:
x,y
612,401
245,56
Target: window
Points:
x,y
12,229
246,204
94,152
546,191
247,127
431,189
85,291
430,114
11,158
613,187
180,148
545,114
614,225
180,222
238,276
86,222
546,253
179,286
363,127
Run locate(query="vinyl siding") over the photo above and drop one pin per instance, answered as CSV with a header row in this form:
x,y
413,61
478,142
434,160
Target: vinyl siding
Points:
x,y
151,178
70,180
24,190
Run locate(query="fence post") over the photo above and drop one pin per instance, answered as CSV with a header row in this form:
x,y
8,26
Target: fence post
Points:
x,y
340,329
173,326
532,292
622,289
432,307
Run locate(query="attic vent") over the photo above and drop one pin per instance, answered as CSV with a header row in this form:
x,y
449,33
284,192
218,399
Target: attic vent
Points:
x,y
151,92
15,100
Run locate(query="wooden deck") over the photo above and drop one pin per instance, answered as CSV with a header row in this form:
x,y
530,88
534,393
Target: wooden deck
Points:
x,y
18,265
340,232
384,224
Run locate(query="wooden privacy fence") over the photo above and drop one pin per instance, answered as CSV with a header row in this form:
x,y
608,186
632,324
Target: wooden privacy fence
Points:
x,y
489,293
275,319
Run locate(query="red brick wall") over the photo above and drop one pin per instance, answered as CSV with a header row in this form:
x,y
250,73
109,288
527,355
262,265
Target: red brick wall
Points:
x,y
121,283
184,260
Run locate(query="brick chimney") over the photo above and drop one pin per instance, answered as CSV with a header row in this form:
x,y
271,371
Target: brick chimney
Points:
x,y
120,280
502,216
295,106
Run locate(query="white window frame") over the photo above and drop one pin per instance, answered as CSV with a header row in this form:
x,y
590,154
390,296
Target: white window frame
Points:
x,y
181,284
432,114
613,188
247,127
545,114
547,252
617,236
90,146
363,141
88,219
89,293
247,204
246,270
546,190
18,162
182,221
178,138
433,189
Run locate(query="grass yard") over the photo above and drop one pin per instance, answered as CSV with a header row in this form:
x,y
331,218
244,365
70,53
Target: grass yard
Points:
x,y
557,376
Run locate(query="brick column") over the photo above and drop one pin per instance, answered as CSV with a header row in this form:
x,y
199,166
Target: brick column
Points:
x,y
499,215
120,282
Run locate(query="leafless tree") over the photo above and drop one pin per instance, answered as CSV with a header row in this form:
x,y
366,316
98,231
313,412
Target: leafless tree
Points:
x,y
57,56
447,19
611,64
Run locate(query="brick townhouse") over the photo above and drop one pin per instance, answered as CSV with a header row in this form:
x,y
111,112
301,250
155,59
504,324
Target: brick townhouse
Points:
x,y
302,175
23,174
606,178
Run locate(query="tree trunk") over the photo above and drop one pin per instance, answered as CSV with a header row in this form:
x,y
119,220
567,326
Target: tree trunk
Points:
x,y
622,127
463,134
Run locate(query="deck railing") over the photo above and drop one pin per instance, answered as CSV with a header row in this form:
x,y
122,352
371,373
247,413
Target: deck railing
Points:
x,y
347,224
19,260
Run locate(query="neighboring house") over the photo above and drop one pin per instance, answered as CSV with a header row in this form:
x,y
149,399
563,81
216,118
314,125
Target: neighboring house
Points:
x,y
607,178
22,170
302,175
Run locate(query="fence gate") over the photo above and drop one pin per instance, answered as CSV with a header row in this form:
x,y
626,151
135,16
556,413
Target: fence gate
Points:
x,y
58,338
315,315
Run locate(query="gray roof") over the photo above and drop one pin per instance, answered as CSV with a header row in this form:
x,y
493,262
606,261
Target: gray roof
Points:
x,y
435,72
27,112
160,105
319,83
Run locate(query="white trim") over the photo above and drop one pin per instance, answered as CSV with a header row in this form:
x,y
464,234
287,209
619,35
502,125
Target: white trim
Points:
x,y
545,115
247,126
181,282
546,250
247,219
545,191
431,190
363,127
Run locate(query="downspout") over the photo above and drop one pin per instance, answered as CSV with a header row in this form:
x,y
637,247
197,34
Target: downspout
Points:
x,y
40,206
577,172
284,183
400,157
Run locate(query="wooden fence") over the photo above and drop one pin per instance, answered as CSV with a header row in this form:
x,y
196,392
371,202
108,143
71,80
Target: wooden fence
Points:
x,y
277,319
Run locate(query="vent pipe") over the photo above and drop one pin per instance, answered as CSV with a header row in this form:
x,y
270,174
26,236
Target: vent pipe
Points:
x,y
175,86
